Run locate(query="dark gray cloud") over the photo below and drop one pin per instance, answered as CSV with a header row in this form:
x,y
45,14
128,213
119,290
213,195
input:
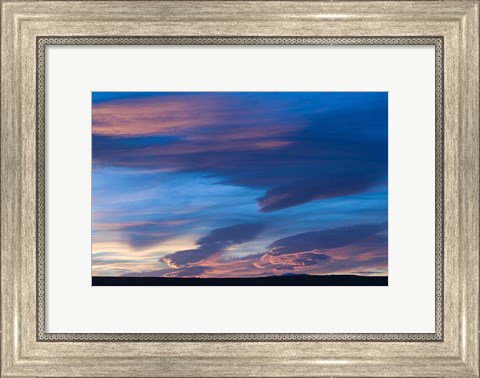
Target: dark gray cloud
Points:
x,y
216,242
310,259
325,239
341,183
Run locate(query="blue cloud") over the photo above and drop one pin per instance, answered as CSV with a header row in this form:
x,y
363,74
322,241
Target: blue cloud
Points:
x,y
214,243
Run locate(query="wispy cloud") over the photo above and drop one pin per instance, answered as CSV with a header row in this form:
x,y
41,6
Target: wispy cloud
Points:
x,y
296,153
216,242
343,249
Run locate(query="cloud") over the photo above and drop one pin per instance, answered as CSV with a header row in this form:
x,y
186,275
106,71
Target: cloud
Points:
x,y
141,234
189,271
360,247
216,242
151,116
325,239
146,234
341,183
332,250
310,259
295,261
297,147
193,115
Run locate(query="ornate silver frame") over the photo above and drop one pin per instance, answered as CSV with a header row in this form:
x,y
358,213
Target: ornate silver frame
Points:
x,y
28,26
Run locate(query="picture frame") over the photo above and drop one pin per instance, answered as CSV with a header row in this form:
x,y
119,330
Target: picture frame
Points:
x,y
27,27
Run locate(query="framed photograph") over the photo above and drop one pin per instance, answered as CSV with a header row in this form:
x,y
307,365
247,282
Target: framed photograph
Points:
x,y
229,188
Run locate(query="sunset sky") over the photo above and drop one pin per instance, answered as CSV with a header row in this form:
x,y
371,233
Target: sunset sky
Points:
x,y
239,184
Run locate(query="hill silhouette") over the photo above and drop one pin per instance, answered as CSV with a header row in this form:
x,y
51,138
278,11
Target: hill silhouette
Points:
x,y
285,280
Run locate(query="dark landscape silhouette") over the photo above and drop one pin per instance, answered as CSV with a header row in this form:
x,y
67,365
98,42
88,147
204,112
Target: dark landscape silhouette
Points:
x,y
285,280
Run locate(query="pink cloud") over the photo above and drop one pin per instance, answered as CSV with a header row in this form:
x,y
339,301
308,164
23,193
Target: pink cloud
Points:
x,y
187,115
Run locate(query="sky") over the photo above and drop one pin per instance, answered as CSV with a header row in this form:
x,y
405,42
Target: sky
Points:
x,y
239,184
